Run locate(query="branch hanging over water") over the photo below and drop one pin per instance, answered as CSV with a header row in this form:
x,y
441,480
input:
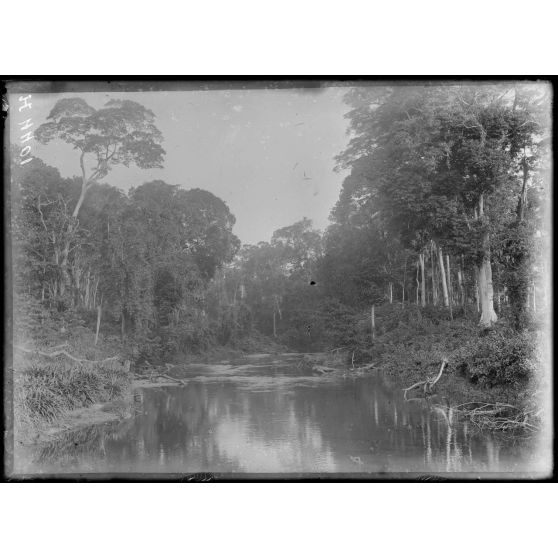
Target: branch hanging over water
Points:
x,y
429,383
496,416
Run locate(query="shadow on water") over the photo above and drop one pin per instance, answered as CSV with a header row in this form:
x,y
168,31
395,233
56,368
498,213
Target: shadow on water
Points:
x,y
268,415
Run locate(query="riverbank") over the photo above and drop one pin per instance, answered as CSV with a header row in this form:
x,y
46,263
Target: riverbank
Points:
x,y
59,386
69,382
498,367
500,370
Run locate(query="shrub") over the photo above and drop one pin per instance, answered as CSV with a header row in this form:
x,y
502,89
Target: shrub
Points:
x,y
495,359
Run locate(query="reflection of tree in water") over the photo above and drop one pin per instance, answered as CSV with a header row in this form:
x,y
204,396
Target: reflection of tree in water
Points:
x,y
461,446
362,416
346,424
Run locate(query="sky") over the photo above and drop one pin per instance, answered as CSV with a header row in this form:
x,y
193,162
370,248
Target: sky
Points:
x,y
268,153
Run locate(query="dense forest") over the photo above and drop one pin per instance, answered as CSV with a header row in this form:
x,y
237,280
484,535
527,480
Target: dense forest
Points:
x,y
437,246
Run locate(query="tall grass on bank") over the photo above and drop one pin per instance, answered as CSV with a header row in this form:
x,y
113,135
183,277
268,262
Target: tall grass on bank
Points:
x,y
44,392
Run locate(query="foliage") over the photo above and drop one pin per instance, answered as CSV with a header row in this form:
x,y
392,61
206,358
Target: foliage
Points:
x,y
458,166
47,391
498,359
122,132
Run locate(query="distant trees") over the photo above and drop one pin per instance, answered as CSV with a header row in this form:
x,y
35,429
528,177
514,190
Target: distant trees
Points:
x,y
268,279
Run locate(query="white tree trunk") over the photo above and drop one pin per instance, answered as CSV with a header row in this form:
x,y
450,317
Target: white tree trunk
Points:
x,y
450,287
98,324
486,293
477,294
443,277
423,282
417,281
432,265
450,290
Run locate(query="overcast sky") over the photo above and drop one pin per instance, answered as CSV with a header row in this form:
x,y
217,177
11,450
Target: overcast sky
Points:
x,y
267,153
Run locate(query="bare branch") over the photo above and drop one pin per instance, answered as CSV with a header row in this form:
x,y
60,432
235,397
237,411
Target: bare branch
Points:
x,y
429,383
63,353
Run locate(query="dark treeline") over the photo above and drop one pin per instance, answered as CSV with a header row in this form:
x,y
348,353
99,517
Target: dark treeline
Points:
x,y
445,201
444,206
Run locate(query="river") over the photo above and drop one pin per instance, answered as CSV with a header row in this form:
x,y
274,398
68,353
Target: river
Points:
x,y
266,414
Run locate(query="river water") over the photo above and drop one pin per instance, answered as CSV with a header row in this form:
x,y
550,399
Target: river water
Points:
x,y
269,415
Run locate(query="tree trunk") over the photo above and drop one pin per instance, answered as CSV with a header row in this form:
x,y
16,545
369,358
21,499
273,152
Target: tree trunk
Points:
x,y
417,280
499,300
81,198
432,265
390,287
122,325
423,282
461,279
373,322
66,280
95,292
443,277
450,293
98,321
486,292
86,291
523,196
404,282
274,328
477,293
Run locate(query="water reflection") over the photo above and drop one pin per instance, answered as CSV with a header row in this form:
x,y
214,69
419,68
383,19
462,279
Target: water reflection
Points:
x,y
280,418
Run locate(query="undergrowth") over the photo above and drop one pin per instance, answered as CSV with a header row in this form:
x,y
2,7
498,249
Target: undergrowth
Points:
x,y
491,365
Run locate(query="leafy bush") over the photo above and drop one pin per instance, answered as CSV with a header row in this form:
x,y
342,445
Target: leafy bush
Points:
x,y
497,359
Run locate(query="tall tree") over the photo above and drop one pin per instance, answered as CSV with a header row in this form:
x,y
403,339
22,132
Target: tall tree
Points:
x,y
120,133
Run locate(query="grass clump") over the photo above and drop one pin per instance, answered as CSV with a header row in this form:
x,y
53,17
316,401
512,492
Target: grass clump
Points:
x,y
45,392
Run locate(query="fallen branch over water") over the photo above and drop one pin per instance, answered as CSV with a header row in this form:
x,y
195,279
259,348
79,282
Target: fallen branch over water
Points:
x,y
323,369
153,377
315,363
429,383
182,382
496,416
154,372
63,353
